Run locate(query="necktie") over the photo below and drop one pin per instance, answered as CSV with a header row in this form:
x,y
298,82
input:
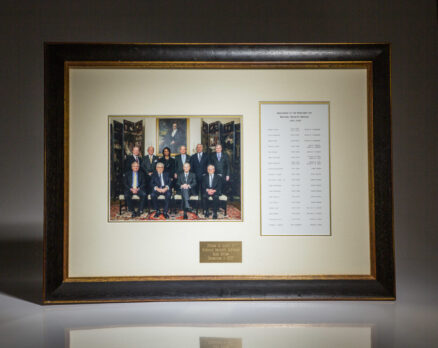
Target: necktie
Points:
x,y
219,156
150,159
161,179
186,176
199,157
136,159
134,180
211,180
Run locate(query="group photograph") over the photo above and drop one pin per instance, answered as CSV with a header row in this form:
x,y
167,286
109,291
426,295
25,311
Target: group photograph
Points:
x,y
171,168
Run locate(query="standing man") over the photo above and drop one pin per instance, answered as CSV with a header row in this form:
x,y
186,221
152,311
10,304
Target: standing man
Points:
x,y
212,187
198,164
149,162
221,163
180,160
134,182
135,157
187,184
160,185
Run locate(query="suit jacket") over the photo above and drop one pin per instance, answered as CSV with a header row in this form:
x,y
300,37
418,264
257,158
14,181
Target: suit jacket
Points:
x,y
179,164
130,159
141,180
199,167
191,180
155,180
146,164
216,185
222,166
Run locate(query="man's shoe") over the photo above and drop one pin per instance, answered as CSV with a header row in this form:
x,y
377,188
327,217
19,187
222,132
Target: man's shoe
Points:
x,y
185,217
166,216
206,214
134,214
157,214
214,216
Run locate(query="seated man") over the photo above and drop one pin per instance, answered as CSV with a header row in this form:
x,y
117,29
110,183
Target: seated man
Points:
x,y
160,185
134,182
186,182
212,187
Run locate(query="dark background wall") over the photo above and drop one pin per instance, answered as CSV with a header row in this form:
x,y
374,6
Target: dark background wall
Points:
x,y
410,26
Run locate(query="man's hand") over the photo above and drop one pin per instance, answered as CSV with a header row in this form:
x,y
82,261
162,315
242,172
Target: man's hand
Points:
x,y
211,191
175,175
164,190
227,178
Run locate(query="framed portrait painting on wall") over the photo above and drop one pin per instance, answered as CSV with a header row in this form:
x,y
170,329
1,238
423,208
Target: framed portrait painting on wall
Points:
x,y
172,133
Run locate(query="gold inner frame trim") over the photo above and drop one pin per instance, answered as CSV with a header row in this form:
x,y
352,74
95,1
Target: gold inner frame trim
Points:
x,y
216,277
278,299
217,65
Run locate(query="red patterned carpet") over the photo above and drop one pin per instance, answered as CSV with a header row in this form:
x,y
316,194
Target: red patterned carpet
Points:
x,y
233,214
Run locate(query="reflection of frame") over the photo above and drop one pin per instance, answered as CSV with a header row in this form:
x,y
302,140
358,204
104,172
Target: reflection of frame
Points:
x,y
338,334
70,277
172,133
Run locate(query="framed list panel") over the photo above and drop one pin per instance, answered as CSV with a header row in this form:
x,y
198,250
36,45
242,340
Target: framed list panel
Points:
x,y
295,168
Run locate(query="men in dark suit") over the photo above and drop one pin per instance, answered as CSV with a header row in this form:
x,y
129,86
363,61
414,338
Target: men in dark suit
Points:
x,y
198,164
160,185
174,138
135,157
221,163
149,163
180,160
212,187
186,183
134,182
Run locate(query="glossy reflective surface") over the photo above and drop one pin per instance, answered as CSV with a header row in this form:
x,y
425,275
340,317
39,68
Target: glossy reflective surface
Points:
x,y
257,324
410,26
237,336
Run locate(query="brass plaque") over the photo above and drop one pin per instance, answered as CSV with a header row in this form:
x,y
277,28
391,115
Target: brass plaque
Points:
x,y
220,252
220,342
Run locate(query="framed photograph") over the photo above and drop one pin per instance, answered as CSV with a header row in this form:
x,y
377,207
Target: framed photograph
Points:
x,y
217,172
126,206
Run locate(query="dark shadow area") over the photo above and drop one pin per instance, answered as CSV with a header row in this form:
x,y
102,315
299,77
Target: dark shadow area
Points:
x,y
21,264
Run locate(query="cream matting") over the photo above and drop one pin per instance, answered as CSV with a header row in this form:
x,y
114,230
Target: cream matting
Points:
x,y
100,248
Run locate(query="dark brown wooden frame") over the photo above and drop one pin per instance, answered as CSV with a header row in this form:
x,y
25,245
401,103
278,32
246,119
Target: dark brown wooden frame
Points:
x,y
58,288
